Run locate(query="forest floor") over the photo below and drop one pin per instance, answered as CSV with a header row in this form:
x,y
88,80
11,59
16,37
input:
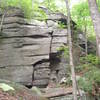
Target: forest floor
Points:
x,y
18,96
6,96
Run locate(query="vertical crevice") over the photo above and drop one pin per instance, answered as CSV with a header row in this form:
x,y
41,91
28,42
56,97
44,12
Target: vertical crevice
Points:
x,y
51,34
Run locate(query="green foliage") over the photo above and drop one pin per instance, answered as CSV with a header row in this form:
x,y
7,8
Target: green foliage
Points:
x,y
85,85
25,5
98,2
64,49
89,79
83,9
38,13
6,3
30,11
90,59
92,38
31,7
95,73
88,63
55,6
81,15
69,81
89,68
61,25
50,4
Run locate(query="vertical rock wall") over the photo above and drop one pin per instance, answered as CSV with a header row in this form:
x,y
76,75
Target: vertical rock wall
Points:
x,y
21,46
29,51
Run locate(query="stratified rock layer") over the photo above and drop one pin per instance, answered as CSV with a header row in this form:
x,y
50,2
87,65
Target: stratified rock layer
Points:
x,y
29,51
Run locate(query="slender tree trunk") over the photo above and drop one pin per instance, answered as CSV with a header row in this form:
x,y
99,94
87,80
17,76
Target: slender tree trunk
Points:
x,y
2,20
95,15
86,42
85,34
71,53
32,4
48,4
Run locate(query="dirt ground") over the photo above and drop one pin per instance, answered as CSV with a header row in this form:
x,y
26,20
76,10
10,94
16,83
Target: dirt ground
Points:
x,y
23,95
6,96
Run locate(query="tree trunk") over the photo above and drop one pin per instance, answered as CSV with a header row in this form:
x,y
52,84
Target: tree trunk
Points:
x,y
95,15
85,34
33,4
2,20
71,53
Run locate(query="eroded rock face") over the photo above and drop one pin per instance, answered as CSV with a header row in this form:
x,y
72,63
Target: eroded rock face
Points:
x,y
27,50
21,46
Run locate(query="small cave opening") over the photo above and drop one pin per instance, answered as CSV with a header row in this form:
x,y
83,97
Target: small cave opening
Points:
x,y
29,86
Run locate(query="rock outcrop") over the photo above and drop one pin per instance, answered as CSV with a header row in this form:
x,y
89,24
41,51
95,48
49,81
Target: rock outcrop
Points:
x,y
29,51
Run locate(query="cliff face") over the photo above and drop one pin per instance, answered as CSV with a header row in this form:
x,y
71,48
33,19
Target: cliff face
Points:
x,y
29,51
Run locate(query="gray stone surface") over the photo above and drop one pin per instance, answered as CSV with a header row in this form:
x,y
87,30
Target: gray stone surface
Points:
x,y
15,19
42,73
21,46
41,83
22,74
26,49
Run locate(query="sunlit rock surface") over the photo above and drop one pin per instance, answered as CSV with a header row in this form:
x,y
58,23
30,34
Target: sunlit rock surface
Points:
x,y
29,52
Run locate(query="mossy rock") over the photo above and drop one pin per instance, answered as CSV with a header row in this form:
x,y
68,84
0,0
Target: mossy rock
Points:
x,y
19,92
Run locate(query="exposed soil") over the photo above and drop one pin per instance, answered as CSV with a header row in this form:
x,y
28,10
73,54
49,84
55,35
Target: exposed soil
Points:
x,y
23,95
6,96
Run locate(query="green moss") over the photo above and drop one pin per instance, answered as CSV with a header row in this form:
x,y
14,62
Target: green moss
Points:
x,y
6,87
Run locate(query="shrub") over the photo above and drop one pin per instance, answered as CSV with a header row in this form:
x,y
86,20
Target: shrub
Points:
x,y
64,49
90,73
90,59
89,79
85,85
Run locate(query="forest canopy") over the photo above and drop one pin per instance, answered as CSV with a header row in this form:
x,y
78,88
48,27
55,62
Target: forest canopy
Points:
x,y
79,12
